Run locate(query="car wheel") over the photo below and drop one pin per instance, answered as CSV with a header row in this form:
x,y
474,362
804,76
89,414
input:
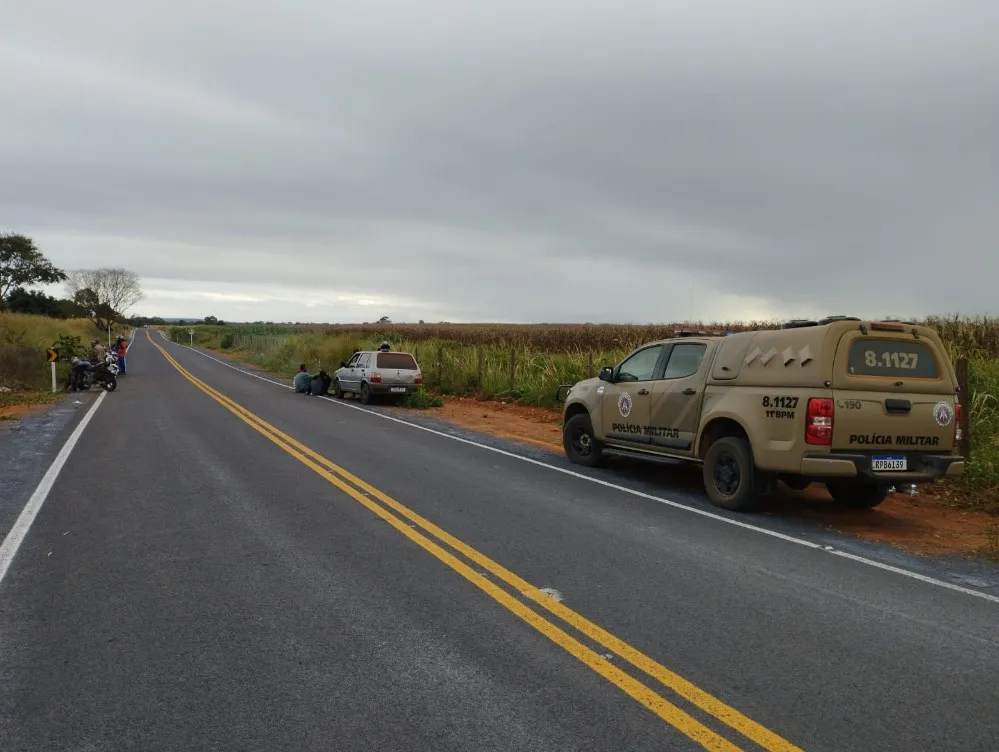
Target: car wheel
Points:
x,y
337,391
730,477
579,443
365,394
857,495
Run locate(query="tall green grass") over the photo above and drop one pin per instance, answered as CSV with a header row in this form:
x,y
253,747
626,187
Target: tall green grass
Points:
x,y
449,368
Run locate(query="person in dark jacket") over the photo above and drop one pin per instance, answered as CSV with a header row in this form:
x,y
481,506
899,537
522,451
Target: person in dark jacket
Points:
x,y
77,372
320,386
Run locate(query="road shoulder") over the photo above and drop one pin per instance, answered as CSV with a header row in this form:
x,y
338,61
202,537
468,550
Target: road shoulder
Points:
x,y
926,524
28,446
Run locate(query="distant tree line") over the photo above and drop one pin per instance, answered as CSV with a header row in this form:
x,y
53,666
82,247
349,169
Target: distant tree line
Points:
x,y
103,295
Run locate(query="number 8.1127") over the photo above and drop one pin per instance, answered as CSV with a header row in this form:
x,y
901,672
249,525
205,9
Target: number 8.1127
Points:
x,y
785,402
891,359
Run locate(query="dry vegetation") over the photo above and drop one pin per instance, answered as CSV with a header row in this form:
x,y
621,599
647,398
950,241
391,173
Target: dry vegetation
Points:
x,y
25,376
969,336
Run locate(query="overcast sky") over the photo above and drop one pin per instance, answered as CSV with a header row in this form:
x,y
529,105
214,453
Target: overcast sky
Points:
x,y
511,161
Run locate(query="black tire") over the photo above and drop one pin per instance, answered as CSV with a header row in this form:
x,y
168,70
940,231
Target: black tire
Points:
x,y
857,495
579,443
337,391
365,393
731,480
110,384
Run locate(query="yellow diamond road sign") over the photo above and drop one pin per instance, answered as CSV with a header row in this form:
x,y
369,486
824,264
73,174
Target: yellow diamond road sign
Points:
x,y
53,355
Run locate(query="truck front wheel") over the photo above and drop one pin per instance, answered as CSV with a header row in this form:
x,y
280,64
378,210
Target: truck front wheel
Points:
x,y
581,447
857,495
730,477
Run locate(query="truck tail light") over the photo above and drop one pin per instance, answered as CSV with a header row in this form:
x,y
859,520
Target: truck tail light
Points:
x,y
376,378
958,418
819,421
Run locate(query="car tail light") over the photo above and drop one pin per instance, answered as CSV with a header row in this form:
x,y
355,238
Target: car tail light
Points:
x,y
418,379
958,418
376,377
819,421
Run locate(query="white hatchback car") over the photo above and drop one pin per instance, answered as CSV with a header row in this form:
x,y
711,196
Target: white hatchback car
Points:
x,y
371,373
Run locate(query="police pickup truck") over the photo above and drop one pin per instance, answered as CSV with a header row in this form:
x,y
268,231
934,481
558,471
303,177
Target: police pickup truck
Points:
x,y
857,405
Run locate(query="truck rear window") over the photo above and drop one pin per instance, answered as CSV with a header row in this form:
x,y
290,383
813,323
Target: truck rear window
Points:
x,y
401,361
892,358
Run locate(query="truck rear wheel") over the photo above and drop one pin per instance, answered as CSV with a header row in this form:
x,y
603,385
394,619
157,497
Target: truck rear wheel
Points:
x,y
857,495
730,477
579,443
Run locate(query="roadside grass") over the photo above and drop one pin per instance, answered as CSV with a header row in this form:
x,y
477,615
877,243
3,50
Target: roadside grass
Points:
x,y
422,401
512,364
980,484
449,368
24,369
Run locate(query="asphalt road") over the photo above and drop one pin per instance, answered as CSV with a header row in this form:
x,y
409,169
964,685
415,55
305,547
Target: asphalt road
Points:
x,y
288,573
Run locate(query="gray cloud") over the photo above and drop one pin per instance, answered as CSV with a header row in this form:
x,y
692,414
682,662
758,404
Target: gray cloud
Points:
x,y
628,162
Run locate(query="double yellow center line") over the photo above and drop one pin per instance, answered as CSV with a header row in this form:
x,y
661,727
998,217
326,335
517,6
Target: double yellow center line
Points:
x,y
396,514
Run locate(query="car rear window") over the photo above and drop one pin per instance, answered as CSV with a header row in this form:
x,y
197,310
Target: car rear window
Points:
x,y
401,361
892,358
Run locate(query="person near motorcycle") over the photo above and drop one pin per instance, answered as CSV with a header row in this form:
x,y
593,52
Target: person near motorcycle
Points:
x,y
99,352
77,369
121,347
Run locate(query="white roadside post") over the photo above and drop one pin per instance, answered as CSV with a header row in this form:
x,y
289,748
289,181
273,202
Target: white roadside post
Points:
x,y
191,332
53,356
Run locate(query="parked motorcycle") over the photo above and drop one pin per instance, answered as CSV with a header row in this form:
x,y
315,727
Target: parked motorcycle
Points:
x,y
112,362
86,375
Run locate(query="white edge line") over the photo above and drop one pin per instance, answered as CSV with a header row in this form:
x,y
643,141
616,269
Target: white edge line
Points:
x,y
17,534
625,489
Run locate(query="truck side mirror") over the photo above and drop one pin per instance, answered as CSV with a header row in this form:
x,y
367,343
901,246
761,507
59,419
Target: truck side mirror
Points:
x,y
607,374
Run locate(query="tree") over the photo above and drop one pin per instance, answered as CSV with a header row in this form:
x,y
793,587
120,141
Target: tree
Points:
x,y
211,320
70,309
32,301
22,264
20,300
109,293
384,320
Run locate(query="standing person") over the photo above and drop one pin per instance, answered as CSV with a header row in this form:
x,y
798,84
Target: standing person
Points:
x,y
99,351
121,347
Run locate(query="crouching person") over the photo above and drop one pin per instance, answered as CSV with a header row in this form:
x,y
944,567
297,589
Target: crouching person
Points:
x,y
303,380
321,384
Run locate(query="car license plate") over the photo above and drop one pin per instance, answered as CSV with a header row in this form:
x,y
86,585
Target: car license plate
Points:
x,y
891,464
398,389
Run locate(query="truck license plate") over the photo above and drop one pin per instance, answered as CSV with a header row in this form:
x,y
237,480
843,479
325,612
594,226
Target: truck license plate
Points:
x,y
398,389
893,464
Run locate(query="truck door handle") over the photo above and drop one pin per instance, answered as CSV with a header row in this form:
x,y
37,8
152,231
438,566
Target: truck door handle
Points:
x,y
643,391
689,391
896,406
